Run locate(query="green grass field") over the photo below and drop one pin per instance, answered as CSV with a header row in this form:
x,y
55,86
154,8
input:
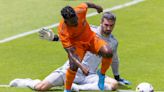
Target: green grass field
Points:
x,y
139,29
19,16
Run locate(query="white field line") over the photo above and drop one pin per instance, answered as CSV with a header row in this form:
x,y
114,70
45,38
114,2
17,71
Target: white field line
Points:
x,y
4,86
133,91
7,86
55,25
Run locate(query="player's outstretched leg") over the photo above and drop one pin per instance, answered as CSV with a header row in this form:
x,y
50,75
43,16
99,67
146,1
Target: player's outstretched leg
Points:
x,y
24,83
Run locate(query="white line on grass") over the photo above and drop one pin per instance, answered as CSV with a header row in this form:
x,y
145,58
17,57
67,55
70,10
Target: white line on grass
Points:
x,y
126,91
55,25
4,86
133,91
7,86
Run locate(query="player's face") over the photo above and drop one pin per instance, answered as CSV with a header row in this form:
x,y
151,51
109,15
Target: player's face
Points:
x,y
72,21
107,26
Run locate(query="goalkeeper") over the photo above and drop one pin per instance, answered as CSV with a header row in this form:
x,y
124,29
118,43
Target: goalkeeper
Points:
x,y
89,82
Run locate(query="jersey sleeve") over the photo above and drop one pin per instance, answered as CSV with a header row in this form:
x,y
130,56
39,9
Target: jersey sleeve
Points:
x,y
82,9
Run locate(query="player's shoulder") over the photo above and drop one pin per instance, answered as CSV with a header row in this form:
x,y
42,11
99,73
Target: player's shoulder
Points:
x,y
93,26
113,38
62,30
81,8
61,24
111,35
82,5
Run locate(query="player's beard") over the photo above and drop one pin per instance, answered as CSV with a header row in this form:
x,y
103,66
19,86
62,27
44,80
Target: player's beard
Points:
x,y
105,32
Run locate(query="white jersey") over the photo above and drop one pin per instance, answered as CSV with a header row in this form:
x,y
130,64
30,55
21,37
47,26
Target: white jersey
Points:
x,y
90,60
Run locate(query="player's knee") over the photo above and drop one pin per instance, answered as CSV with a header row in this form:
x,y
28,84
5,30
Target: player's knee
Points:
x,y
106,51
109,53
37,87
73,66
42,87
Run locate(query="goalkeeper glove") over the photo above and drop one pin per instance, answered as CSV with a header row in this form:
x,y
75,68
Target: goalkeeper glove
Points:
x,y
46,34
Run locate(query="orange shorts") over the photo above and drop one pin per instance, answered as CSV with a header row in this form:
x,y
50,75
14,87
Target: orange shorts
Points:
x,y
93,46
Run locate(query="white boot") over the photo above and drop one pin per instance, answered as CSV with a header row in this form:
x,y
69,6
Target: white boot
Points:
x,y
19,82
24,83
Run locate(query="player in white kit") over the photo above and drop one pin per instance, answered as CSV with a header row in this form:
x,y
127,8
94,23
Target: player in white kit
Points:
x,y
81,82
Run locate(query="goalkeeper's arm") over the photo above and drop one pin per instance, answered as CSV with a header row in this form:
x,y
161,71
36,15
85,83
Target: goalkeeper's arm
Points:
x,y
48,34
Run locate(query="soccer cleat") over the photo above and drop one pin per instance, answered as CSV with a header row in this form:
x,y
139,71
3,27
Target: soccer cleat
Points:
x,y
123,81
19,82
75,87
101,80
67,90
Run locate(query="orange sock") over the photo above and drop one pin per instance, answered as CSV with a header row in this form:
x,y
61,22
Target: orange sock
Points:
x,y
105,64
70,75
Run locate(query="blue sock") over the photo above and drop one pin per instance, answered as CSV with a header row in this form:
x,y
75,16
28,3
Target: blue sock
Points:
x,y
101,80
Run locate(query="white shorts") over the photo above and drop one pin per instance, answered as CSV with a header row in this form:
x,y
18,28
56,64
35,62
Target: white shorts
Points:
x,y
57,78
92,78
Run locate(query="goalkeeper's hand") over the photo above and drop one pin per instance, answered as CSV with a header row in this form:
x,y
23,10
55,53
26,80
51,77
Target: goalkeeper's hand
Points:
x,y
46,34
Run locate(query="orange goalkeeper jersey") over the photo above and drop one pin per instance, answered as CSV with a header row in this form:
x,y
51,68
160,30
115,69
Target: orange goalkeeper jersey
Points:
x,y
82,32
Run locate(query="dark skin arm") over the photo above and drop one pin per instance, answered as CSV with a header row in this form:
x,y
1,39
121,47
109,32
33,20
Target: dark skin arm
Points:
x,y
75,59
97,7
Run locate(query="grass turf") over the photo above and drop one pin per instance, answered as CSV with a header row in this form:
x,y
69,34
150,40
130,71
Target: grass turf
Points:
x,y
21,16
